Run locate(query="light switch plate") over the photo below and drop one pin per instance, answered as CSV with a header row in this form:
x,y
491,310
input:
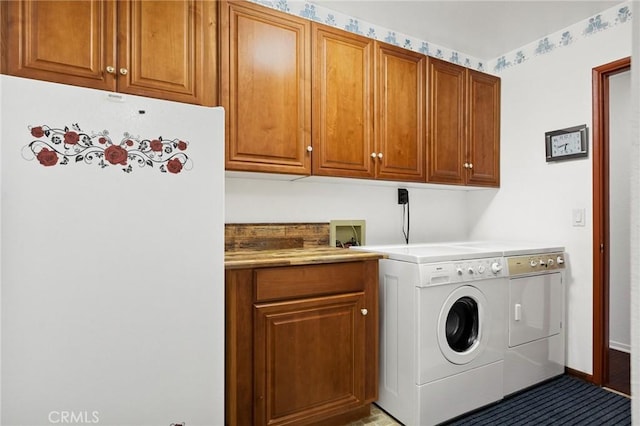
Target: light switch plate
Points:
x,y
577,217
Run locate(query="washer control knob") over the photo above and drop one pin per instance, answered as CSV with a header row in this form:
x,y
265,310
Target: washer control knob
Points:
x,y
533,263
542,263
560,260
470,270
550,262
496,267
459,271
481,269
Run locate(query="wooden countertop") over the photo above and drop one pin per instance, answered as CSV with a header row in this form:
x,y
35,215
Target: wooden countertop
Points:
x,y
289,257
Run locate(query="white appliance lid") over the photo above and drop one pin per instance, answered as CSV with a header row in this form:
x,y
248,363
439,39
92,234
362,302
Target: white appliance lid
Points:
x,y
429,253
511,248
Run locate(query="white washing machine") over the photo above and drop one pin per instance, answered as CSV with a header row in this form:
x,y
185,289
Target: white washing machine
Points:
x,y
442,332
535,344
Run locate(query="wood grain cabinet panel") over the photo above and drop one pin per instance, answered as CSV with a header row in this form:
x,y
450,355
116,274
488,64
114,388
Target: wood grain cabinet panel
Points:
x,y
352,75
343,84
400,114
484,129
167,49
308,357
266,89
447,133
464,126
67,42
297,356
375,111
161,49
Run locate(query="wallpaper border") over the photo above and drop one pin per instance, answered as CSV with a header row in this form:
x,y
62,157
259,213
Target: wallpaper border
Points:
x,y
610,18
617,15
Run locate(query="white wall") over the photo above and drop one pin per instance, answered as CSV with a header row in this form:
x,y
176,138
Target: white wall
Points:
x,y
635,223
536,200
619,213
436,215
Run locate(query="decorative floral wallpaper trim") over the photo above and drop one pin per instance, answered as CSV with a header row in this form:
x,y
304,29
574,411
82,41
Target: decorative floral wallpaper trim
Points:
x,y
620,14
336,19
610,18
61,146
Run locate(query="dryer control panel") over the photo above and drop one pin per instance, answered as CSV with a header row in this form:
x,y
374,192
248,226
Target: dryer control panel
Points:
x,y
535,263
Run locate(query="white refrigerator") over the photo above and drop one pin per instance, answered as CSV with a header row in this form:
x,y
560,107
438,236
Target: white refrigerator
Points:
x,y
112,258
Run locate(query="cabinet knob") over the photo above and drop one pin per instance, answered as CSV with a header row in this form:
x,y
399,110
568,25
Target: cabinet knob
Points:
x,y
471,165
379,155
364,311
124,71
374,155
309,148
110,70
465,165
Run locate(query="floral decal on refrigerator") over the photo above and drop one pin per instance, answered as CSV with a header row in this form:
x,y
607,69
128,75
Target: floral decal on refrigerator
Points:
x,y
62,146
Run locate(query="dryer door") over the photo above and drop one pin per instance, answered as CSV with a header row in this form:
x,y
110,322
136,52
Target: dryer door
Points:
x,y
461,335
535,307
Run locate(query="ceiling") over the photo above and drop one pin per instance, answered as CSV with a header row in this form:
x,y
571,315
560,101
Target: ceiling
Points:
x,y
482,29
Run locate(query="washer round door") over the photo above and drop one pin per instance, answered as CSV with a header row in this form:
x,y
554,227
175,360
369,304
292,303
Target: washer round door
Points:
x,y
461,335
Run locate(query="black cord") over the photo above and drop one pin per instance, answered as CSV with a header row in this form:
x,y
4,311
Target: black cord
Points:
x,y
406,210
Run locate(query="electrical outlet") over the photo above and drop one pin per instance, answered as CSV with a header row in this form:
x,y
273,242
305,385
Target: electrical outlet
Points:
x,y
403,196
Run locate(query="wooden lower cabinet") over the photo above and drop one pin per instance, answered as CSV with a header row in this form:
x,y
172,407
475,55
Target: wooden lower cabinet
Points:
x,y
301,344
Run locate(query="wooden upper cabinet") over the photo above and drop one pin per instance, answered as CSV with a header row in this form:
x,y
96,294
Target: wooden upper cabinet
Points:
x,y
464,126
343,87
67,42
160,49
447,133
266,89
400,113
166,49
484,129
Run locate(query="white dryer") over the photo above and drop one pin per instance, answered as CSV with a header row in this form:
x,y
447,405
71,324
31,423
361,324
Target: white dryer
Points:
x,y
442,333
535,344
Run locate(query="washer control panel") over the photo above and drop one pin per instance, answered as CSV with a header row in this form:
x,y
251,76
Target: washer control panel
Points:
x,y
477,269
462,271
536,263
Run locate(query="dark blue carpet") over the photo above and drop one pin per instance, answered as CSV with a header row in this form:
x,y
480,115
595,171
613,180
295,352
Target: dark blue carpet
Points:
x,y
562,401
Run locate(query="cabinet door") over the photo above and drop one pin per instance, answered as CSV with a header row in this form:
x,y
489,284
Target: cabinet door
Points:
x,y
166,50
266,89
484,129
342,103
400,113
446,142
70,42
309,358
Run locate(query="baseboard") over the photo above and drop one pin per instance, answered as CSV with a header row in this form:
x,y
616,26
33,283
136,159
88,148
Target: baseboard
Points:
x,y
579,374
620,346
